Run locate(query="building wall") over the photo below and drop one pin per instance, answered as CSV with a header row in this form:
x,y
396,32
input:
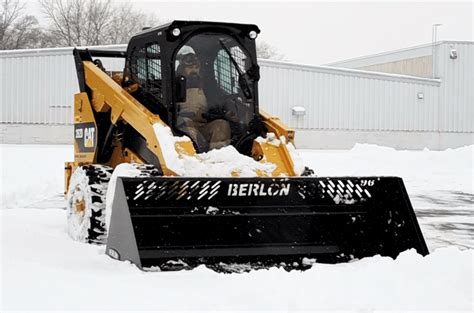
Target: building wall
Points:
x,y
37,86
37,89
36,134
339,99
456,95
343,106
457,88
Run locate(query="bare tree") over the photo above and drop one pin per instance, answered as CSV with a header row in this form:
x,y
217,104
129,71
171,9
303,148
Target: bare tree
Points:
x,y
17,29
267,51
77,22
93,22
100,15
128,22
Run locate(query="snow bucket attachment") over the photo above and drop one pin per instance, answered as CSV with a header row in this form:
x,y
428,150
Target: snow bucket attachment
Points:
x,y
266,220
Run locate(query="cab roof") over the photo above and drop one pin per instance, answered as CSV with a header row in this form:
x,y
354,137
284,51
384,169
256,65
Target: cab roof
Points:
x,y
197,24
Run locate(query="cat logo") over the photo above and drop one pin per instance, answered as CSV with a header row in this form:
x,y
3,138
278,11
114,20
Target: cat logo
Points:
x,y
89,137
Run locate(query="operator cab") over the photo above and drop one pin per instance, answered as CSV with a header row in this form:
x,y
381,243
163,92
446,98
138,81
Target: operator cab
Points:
x,y
194,74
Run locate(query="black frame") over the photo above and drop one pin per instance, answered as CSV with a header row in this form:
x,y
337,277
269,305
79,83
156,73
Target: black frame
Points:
x,y
170,45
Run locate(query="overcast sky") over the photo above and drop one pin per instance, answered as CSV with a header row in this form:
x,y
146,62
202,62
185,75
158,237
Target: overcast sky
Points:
x,y
317,32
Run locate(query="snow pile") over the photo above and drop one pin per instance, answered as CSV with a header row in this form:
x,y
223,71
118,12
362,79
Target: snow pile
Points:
x,y
421,170
167,144
224,162
271,139
216,163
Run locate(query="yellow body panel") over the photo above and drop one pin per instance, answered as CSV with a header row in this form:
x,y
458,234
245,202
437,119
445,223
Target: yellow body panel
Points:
x,y
83,114
185,148
120,155
276,126
278,155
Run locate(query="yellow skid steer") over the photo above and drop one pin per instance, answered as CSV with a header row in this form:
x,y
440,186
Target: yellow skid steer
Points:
x,y
189,91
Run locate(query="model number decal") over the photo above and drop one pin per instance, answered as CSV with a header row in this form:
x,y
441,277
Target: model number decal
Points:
x,y
86,136
367,182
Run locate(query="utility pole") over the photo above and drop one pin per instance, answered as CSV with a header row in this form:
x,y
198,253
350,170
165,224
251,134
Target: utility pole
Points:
x,y
433,48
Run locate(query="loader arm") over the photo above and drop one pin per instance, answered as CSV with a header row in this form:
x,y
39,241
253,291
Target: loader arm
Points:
x,y
107,95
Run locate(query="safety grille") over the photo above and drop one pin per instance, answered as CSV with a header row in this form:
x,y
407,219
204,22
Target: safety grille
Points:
x,y
346,191
176,190
225,71
166,192
146,69
138,65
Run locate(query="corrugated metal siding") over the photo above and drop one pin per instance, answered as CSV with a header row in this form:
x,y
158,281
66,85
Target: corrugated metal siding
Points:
x,y
348,100
38,89
38,86
457,90
456,94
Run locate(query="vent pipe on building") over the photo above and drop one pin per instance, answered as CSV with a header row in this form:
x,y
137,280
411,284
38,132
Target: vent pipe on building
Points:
x,y
433,52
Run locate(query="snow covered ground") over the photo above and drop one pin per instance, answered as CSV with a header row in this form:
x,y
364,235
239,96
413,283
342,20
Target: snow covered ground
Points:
x,y
43,269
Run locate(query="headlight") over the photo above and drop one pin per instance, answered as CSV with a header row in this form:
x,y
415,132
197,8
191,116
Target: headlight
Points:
x,y
176,32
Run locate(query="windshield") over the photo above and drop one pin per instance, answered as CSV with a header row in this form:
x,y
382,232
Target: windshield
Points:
x,y
217,103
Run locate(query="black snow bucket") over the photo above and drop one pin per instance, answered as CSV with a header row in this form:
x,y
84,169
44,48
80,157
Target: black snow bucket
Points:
x,y
265,220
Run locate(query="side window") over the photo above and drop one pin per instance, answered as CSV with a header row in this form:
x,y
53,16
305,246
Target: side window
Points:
x,y
139,66
154,61
146,69
224,70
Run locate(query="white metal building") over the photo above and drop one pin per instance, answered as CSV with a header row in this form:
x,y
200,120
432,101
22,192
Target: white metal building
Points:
x,y
452,62
387,99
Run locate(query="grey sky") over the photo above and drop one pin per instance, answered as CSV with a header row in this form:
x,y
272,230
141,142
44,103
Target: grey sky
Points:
x,y
316,32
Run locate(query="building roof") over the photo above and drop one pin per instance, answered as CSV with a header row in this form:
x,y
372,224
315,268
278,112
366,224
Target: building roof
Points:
x,y
395,55
53,51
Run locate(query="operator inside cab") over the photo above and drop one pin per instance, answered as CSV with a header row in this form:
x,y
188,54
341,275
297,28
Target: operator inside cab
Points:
x,y
194,113
214,111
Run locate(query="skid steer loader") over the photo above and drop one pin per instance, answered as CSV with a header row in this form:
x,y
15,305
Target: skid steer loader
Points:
x,y
157,114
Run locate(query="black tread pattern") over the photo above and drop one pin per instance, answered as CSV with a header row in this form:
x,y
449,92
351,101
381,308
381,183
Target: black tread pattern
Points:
x,y
99,176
